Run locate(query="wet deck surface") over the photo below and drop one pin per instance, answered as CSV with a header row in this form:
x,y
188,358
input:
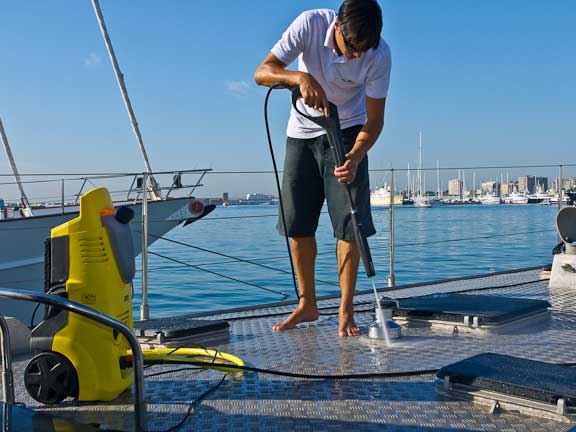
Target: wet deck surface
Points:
x,y
407,404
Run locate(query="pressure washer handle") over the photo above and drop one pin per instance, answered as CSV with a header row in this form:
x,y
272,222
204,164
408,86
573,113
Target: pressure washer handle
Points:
x,y
331,125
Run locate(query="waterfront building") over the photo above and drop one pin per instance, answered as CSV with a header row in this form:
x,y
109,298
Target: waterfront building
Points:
x,y
507,188
528,184
568,183
541,182
489,186
525,183
455,187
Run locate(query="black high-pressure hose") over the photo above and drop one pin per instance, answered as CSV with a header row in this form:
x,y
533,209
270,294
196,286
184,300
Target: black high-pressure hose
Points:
x,y
331,125
283,216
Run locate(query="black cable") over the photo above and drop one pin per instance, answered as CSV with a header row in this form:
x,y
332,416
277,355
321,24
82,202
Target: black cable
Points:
x,y
50,291
199,369
314,376
195,403
329,377
281,202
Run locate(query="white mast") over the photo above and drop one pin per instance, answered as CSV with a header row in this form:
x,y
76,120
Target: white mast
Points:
x,y
438,178
423,192
155,193
474,185
27,209
408,189
420,165
460,183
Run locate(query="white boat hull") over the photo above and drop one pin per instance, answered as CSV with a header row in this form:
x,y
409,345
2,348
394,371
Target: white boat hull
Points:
x,y
385,202
422,202
22,251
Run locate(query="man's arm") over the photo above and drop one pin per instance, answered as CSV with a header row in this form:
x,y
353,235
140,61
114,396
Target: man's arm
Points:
x,y
366,138
272,71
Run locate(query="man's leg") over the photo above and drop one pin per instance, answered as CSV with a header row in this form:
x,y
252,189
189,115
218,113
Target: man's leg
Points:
x,y
304,254
348,260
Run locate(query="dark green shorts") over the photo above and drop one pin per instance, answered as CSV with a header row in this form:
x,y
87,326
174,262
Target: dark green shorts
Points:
x,y
309,178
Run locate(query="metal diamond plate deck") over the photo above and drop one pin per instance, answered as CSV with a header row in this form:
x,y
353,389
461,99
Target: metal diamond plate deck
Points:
x,y
264,402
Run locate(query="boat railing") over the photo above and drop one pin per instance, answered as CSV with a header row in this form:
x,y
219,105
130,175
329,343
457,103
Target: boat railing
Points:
x,y
123,187
395,177
393,244
85,311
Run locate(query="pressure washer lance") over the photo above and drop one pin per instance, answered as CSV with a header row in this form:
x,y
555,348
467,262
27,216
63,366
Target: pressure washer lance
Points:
x,y
331,124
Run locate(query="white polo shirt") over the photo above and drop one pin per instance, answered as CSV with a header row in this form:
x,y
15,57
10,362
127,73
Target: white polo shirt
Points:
x,y
347,82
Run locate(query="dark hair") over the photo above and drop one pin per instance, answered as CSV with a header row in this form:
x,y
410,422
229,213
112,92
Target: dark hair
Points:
x,y
361,24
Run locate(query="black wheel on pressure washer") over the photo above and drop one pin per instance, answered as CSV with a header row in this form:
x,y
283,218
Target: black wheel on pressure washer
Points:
x,y
50,378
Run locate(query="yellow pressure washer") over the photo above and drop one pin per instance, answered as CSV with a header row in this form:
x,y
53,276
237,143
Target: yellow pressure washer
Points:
x,y
91,260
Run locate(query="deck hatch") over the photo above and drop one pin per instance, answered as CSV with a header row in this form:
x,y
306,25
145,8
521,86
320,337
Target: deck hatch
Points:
x,y
168,331
513,383
471,310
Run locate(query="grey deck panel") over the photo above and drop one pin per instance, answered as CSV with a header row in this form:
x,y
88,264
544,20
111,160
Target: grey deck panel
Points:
x,y
264,402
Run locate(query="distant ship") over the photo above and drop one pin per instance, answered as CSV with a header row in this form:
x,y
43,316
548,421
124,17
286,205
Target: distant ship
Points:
x,y
380,197
490,199
517,198
422,201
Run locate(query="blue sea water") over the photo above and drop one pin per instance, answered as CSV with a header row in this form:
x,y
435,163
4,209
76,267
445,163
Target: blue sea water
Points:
x,y
431,244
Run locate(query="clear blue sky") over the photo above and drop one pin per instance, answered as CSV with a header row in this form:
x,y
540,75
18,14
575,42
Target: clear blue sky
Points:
x,y
488,82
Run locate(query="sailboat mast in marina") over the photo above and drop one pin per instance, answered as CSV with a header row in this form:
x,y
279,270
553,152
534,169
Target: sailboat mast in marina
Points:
x,y
438,195
421,200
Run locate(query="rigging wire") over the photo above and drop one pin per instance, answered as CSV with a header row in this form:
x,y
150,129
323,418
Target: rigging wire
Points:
x,y
209,171
219,274
473,238
254,261
235,259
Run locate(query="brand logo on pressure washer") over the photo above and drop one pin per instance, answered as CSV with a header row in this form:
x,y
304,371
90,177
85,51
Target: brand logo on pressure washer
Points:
x,y
89,299
196,207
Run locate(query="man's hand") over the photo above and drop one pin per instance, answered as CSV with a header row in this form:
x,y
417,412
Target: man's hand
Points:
x,y
272,71
313,94
364,141
347,172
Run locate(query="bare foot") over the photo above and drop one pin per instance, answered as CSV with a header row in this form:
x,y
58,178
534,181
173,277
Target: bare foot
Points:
x,y
347,325
303,313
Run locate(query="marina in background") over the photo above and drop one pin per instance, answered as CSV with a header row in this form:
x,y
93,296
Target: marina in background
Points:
x,y
242,242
